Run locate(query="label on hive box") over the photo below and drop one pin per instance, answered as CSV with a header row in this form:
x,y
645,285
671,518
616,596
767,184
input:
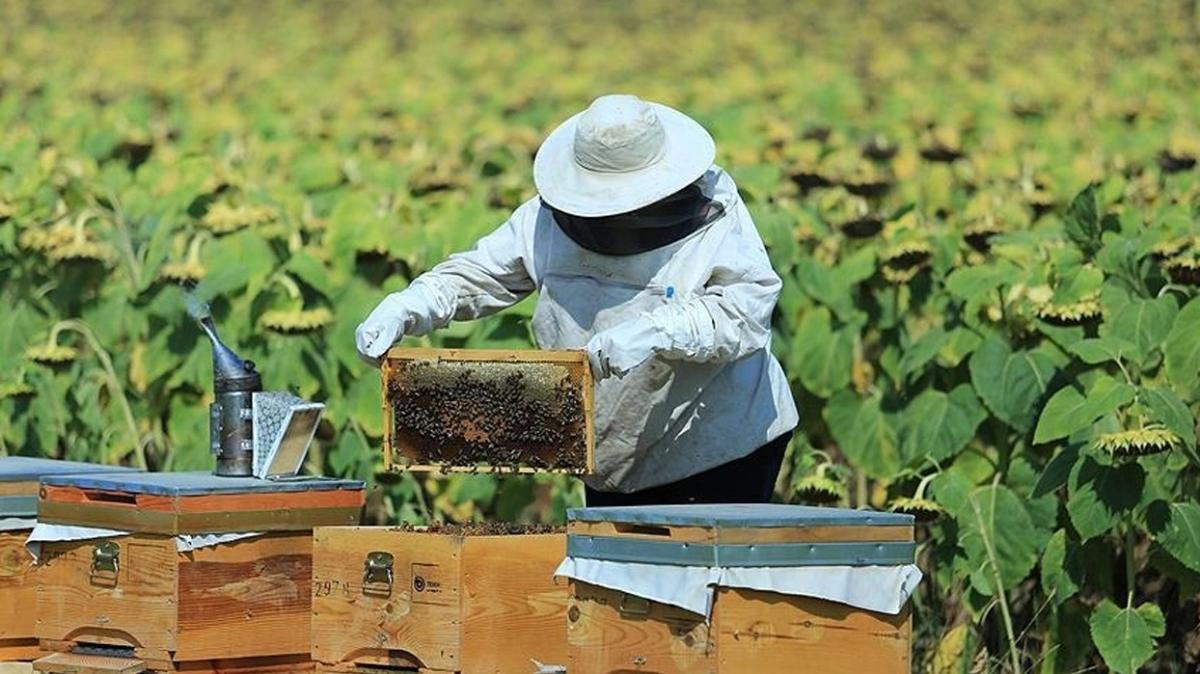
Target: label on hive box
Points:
x,y
428,584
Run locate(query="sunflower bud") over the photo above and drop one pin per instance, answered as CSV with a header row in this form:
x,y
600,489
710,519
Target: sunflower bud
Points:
x,y
1138,442
903,261
820,490
222,218
1184,269
182,271
81,250
1072,313
922,509
297,321
51,354
1170,248
15,389
978,234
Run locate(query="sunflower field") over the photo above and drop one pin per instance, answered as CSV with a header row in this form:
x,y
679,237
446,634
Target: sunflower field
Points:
x,y
986,216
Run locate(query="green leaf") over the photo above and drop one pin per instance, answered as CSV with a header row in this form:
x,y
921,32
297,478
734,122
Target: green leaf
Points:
x,y
1011,383
938,425
1173,413
1177,528
973,283
823,355
365,401
951,489
920,352
1082,220
1143,323
1057,471
310,270
1099,496
233,262
826,286
1102,350
1068,411
960,343
1181,351
1126,637
1062,568
864,433
856,268
994,532
1022,479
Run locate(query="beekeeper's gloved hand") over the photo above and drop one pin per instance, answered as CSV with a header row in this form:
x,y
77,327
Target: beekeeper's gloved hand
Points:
x,y
616,351
397,315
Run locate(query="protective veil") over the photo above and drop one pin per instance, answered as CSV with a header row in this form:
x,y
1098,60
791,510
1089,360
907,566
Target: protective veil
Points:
x,y
684,326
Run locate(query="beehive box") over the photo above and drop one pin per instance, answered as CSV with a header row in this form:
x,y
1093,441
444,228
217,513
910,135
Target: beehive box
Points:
x,y
488,410
132,602
194,503
750,631
19,478
444,600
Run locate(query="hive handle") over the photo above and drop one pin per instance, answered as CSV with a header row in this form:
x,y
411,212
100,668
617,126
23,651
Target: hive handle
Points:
x,y
633,605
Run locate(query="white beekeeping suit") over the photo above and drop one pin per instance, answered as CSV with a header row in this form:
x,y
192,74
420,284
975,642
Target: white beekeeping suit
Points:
x,y
678,334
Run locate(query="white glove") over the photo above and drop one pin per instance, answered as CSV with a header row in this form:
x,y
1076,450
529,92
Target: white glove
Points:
x,y
385,325
616,351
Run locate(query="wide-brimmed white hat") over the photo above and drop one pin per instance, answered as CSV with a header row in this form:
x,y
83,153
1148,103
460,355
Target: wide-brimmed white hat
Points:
x,y
620,154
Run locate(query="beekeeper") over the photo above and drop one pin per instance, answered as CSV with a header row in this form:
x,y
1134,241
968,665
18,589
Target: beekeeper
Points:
x,y
643,254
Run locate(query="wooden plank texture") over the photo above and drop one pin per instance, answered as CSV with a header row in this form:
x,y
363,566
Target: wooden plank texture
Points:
x,y
478,604
609,633
414,621
260,585
153,513
229,602
136,606
751,632
767,632
513,609
736,536
17,589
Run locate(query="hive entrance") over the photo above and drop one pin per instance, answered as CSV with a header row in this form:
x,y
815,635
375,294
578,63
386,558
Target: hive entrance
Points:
x,y
483,410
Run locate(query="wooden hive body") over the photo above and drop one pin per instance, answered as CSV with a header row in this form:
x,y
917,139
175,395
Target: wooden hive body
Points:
x,y
749,631
194,503
241,605
455,603
19,478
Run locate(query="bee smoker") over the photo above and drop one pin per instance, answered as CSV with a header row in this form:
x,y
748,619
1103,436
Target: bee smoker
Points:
x,y
231,415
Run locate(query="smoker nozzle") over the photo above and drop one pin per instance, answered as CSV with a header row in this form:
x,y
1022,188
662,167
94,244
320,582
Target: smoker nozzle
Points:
x,y
230,372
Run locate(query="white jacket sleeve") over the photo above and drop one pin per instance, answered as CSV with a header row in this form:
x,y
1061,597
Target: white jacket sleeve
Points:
x,y
732,317
489,277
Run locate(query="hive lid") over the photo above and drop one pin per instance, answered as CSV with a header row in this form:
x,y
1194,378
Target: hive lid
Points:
x,y
196,483
758,515
23,468
758,535
198,502
19,476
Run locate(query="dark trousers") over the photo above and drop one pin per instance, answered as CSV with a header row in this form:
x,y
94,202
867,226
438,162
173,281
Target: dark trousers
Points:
x,y
750,479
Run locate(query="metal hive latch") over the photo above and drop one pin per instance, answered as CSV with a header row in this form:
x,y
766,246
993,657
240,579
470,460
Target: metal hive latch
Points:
x,y
377,574
106,559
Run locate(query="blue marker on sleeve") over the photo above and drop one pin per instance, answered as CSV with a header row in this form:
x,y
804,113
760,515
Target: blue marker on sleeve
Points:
x,y
670,292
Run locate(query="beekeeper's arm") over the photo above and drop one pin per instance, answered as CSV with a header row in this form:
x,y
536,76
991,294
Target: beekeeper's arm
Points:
x,y
729,320
474,284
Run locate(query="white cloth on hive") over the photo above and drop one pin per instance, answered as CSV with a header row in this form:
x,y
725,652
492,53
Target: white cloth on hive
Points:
x,y
50,533
884,589
17,523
